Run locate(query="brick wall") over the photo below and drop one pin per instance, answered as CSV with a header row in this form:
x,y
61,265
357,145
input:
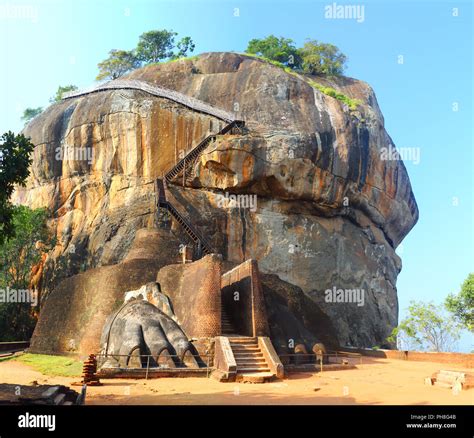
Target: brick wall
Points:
x,y
461,359
194,290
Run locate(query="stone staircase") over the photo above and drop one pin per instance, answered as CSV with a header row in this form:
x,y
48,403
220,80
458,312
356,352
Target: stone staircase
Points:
x,y
227,328
450,379
251,364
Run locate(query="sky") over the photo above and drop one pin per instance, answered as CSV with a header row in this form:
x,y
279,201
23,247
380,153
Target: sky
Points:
x,y
417,56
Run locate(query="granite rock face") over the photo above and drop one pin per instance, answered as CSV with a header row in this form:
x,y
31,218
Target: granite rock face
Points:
x,y
320,208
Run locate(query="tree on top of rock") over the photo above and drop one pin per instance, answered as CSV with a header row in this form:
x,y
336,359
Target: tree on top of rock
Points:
x,y
119,63
60,91
276,49
31,113
322,58
185,45
155,45
313,58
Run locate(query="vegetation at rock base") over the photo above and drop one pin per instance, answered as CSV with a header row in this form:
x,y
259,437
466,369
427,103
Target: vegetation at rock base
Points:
x,y
60,91
50,365
15,160
18,255
461,305
427,328
31,113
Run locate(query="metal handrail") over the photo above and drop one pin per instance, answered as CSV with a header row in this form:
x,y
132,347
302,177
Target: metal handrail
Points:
x,y
183,161
198,357
176,96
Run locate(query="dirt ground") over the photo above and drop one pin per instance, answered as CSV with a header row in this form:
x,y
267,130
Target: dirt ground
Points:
x,y
376,381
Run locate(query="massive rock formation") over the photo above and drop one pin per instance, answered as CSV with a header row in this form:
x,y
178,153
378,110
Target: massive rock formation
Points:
x,y
329,213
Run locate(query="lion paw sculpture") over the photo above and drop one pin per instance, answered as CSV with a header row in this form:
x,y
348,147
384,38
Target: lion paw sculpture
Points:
x,y
140,334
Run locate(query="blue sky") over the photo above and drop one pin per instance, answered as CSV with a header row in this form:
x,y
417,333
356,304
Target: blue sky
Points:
x,y
60,42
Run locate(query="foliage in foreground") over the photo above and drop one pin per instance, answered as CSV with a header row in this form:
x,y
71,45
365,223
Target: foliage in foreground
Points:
x,y
15,160
18,255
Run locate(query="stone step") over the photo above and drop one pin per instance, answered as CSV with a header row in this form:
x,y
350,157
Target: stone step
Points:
x,y
242,345
251,363
243,355
243,339
255,377
446,378
253,369
246,349
452,373
443,384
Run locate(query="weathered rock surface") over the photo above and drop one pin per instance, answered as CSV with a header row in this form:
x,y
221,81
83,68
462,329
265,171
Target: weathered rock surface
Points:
x,y
330,212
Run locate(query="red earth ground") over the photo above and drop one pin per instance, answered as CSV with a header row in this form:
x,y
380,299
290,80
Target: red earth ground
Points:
x,y
375,382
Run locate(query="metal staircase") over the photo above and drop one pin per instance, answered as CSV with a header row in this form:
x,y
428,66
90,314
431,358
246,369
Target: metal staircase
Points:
x,y
186,164
203,246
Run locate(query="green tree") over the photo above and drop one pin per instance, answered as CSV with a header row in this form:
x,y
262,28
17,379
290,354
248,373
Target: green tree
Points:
x,y
155,45
31,113
276,49
60,91
15,160
461,305
321,58
18,255
119,63
185,45
427,327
